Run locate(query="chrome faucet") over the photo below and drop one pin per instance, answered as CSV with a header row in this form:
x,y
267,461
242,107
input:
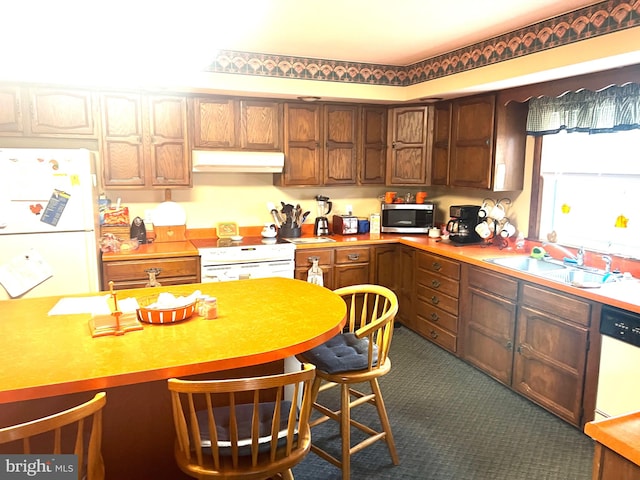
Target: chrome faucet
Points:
x,y
579,258
607,263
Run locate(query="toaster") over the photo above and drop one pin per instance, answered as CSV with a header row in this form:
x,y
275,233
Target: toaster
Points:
x,y
345,224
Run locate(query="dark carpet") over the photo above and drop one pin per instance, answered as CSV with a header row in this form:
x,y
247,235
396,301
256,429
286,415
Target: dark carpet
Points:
x,y
453,422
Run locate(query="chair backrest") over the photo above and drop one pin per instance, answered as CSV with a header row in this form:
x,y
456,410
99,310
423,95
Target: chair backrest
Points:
x,y
49,435
230,428
371,310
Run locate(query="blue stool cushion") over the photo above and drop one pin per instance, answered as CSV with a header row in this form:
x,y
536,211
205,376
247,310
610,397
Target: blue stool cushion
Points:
x,y
343,353
244,418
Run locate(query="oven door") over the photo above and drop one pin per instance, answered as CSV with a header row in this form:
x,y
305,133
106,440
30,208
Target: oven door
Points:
x,y
243,271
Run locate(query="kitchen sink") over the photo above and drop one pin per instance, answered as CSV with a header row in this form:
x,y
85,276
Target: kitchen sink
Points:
x,y
554,270
577,277
528,264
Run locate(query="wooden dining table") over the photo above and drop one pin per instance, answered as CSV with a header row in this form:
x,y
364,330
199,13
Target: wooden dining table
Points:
x,y
52,362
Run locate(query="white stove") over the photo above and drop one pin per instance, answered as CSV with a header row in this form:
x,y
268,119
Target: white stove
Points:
x,y
224,260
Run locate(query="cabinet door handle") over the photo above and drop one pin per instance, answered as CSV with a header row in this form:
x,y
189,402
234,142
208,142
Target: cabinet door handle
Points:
x,y
433,334
435,283
393,144
353,256
434,316
509,345
435,300
436,266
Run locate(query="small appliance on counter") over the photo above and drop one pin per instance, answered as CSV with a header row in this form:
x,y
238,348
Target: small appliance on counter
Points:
x,y
321,227
462,226
345,224
407,217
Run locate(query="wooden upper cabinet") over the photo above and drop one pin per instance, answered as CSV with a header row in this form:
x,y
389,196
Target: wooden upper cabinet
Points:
x,y
232,124
11,111
410,138
48,112
341,137
121,145
488,139
215,122
260,125
144,141
169,152
472,142
374,145
441,144
302,148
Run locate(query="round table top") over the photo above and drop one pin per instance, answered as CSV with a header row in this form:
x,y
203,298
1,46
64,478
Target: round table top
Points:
x,y
259,321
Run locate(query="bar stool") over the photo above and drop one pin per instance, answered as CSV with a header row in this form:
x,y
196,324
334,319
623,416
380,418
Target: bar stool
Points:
x,y
91,465
358,355
255,433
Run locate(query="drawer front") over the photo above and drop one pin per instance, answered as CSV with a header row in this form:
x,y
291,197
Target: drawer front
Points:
x,y
352,255
135,269
428,312
559,305
303,257
437,335
438,282
438,299
438,264
127,284
497,284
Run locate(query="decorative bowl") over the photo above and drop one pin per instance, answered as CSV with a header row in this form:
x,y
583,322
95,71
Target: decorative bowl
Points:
x,y
150,314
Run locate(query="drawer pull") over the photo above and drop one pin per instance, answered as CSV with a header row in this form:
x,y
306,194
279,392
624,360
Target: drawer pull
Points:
x,y
433,334
436,266
312,259
435,300
435,284
434,316
353,256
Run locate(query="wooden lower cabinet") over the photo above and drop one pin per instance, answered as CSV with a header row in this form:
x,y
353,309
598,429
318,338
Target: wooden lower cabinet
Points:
x,y
405,286
488,314
384,266
132,273
341,266
552,341
609,465
437,292
533,339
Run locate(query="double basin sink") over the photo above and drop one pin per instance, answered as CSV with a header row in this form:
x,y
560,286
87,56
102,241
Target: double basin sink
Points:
x,y
555,270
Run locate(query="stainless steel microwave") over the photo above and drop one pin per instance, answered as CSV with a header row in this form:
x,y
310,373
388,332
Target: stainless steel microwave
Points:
x,y
407,217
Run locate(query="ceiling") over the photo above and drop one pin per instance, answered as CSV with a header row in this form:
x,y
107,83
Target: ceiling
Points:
x,y
119,42
397,32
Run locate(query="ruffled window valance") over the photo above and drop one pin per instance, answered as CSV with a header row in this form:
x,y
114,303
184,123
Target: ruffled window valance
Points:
x,y
610,110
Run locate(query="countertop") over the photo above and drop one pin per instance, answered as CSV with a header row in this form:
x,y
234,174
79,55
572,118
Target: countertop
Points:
x,y
620,434
286,317
625,295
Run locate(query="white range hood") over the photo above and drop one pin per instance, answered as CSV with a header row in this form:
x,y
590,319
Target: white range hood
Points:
x,y
234,161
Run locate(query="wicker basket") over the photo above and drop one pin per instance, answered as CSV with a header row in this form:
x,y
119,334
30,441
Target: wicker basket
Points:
x,y
163,315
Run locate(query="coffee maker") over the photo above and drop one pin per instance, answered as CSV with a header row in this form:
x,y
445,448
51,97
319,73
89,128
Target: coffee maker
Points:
x,y
462,226
322,222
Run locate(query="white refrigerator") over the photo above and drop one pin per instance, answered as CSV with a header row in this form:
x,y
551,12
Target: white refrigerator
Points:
x,y
48,223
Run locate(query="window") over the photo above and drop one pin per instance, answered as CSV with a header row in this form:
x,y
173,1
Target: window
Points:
x,y
590,188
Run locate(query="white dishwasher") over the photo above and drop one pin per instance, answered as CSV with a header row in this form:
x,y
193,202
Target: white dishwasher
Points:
x,y
619,379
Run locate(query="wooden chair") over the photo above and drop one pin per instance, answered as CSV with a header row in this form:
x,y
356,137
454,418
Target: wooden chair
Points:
x,y
358,355
37,433
256,434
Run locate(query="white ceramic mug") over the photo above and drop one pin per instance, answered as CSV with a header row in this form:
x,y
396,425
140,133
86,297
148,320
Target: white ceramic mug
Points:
x,y
485,210
483,230
497,212
508,230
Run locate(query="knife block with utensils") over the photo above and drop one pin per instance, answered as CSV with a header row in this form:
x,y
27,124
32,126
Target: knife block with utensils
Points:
x,y
289,232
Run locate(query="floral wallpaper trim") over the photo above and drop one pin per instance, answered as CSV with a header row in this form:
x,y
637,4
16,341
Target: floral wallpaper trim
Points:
x,y
589,22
